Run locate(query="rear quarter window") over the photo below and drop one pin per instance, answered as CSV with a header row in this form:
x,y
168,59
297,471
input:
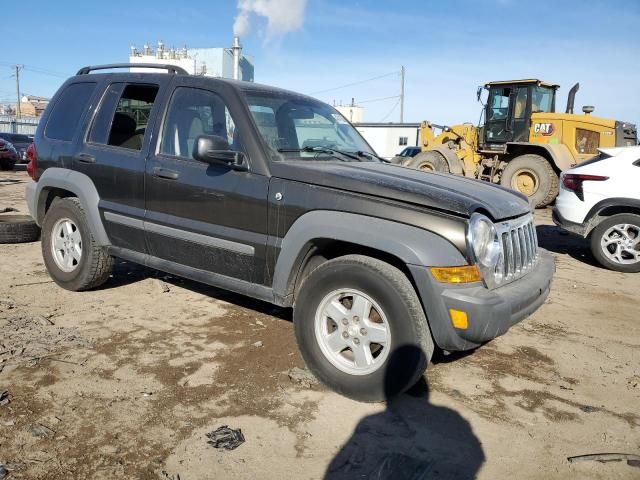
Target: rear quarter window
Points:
x,y
68,110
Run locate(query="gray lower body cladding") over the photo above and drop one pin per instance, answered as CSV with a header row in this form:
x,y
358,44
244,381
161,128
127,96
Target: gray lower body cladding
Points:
x,y
577,228
490,312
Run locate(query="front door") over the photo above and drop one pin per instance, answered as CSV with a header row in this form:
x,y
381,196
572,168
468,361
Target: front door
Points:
x,y
497,125
206,216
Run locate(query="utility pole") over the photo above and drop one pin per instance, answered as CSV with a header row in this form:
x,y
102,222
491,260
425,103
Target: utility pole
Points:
x,y
402,94
18,67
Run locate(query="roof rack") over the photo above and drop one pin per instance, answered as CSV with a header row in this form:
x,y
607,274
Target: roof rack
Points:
x,y
170,68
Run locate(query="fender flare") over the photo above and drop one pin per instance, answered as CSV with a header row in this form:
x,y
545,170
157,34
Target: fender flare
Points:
x,y
82,187
621,203
412,245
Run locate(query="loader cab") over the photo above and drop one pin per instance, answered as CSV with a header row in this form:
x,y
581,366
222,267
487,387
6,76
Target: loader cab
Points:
x,y
509,107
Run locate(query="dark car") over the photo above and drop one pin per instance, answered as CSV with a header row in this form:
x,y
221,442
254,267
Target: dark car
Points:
x,y
8,155
274,195
20,142
406,154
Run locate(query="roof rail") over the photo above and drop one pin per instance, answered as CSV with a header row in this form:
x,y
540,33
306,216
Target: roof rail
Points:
x,y
170,68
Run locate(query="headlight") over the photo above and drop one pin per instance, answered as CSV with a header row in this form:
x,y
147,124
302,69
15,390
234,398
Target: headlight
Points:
x,y
485,247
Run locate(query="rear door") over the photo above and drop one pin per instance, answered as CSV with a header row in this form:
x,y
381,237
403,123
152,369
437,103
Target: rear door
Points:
x,y
114,152
206,216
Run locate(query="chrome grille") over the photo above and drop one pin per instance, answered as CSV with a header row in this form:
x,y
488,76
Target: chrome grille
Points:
x,y
519,249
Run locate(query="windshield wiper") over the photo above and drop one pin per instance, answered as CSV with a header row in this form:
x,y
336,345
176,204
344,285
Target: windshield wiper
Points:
x,y
371,156
328,150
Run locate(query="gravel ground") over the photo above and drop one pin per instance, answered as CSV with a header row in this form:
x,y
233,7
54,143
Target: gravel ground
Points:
x,y
127,380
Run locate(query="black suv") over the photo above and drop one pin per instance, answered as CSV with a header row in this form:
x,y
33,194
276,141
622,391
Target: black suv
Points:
x,y
275,195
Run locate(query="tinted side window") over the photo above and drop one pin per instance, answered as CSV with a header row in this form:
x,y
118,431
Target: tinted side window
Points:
x,y
65,116
194,112
123,117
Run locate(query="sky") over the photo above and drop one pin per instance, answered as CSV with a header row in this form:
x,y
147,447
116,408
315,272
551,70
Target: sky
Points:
x,y
448,48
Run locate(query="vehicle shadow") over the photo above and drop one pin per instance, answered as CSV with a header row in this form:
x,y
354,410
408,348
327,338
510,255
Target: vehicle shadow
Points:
x,y
127,273
555,239
412,439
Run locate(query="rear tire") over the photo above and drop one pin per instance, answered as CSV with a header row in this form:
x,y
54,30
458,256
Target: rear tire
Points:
x,y
394,317
18,229
533,176
429,161
623,228
71,255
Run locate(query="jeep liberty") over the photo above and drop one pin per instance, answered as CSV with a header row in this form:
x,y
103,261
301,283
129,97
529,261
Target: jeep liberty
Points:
x,y
274,195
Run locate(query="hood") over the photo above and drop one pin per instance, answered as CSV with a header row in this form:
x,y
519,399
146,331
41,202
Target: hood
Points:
x,y
458,195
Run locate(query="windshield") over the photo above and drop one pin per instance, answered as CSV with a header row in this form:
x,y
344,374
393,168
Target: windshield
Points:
x,y
542,100
297,127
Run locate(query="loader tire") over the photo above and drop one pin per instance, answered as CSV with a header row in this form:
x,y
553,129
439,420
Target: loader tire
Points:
x,y
533,176
430,161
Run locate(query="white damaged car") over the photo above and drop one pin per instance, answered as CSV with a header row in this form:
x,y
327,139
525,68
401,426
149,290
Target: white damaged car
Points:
x,y
600,200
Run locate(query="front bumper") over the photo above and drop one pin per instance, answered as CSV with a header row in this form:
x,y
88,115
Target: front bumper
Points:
x,y
490,312
573,227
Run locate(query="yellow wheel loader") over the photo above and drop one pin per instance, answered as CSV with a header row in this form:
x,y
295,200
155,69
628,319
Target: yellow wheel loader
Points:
x,y
523,143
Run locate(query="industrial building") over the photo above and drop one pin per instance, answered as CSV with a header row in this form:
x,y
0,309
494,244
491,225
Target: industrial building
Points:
x,y
389,139
211,62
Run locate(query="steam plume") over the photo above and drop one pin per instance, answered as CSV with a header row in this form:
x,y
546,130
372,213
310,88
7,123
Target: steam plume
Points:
x,y
282,16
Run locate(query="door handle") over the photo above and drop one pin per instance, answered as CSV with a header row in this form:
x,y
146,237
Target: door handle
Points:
x,y
86,158
164,173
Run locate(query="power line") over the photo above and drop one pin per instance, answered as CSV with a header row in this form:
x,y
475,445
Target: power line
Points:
x,y
42,71
377,99
355,83
390,111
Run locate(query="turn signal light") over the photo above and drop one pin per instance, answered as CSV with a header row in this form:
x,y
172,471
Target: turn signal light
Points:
x,y
459,319
464,274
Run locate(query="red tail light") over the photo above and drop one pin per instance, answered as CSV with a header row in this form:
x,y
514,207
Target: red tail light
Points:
x,y
573,182
33,160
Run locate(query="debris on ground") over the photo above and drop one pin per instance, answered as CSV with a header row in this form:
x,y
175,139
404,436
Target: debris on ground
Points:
x,y
589,409
259,323
30,338
632,460
225,437
302,377
41,431
164,288
3,471
166,476
4,397
258,344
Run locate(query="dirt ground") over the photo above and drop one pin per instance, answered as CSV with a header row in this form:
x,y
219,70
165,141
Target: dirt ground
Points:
x,y
125,382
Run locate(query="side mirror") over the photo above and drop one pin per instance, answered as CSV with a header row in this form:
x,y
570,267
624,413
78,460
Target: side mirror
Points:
x,y
479,93
214,149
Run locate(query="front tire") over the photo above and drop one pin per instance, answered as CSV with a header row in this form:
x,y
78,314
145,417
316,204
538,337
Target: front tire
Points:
x,y
615,243
71,255
533,176
361,329
429,161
